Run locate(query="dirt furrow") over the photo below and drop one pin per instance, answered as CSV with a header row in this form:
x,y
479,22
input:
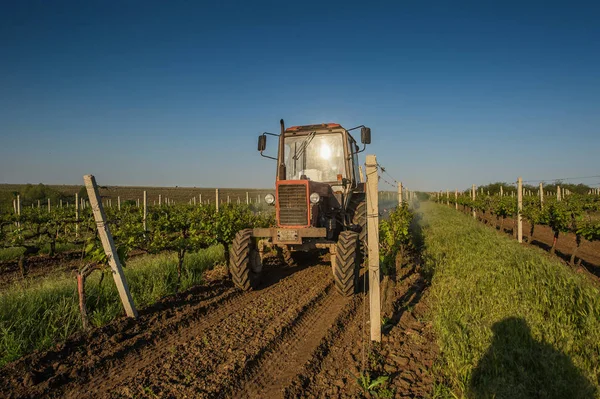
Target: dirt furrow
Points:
x,y
220,356
107,351
282,362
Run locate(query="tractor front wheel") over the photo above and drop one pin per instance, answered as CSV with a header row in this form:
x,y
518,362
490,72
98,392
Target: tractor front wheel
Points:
x,y
347,266
245,265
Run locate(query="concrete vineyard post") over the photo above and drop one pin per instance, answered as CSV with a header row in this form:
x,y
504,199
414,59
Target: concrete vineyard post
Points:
x,y
456,198
48,204
247,198
39,205
558,196
217,198
373,246
109,246
501,192
228,199
541,195
119,202
76,215
473,194
399,193
447,198
520,209
60,203
145,210
159,200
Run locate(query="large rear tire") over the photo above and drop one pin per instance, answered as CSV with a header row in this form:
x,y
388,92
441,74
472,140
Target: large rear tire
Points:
x,y
245,265
347,263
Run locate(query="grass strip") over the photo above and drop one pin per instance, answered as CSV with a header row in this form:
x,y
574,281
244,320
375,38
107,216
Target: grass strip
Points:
x,y
39,314
511,321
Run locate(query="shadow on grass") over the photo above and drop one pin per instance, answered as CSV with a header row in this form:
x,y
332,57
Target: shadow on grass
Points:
x,y
518,366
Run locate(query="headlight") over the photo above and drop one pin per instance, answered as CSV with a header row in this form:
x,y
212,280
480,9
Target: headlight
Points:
x,y
270,199
314,198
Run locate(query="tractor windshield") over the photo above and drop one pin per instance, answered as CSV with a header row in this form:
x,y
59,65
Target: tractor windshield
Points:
x,y
319,157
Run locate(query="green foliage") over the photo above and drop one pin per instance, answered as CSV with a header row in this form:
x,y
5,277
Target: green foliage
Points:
x,y
375,387
394,236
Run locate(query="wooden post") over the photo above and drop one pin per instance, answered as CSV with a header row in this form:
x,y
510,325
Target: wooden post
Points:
x,y
473,194
373,246
399,193
558,196
109,246
520,209
542,195
145,210
217,198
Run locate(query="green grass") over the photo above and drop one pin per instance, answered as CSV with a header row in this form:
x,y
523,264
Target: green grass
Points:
x,y
510,321
11,253
39,314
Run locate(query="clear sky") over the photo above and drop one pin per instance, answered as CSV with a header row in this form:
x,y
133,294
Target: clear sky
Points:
x,y
175,93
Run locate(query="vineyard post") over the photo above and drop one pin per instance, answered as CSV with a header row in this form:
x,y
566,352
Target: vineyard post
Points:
x,y
145,210
76,215
473,194
60,202
447,198
501,192
228,199
520,209
373,246
217,198
119,202
456,198
48,204
159,200
247,198
541,195
399,193
137,202
558,198
109,246
18,209
39,204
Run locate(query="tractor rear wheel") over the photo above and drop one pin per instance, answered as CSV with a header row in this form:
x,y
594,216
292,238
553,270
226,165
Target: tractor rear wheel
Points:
x,y
245,265
347,263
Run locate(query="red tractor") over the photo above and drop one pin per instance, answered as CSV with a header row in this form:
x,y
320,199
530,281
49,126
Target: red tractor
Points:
x,y
320,204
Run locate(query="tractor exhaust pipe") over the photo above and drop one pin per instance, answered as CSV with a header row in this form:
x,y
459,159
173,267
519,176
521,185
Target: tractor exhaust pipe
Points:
x,y
281,169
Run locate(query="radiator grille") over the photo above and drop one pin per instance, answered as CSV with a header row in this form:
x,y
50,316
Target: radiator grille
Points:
x,y
293,205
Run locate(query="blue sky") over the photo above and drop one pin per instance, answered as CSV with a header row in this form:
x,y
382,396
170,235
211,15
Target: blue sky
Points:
x,y
175,93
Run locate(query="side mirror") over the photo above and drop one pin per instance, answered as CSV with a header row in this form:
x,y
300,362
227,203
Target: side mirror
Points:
x,y
365,135
262,142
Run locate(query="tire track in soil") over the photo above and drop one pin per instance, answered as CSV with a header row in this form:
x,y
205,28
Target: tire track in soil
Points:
x,y
280,364
221,357
406,353
179,339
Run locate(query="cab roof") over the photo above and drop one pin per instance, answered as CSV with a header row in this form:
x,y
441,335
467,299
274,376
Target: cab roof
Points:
x,y
314,127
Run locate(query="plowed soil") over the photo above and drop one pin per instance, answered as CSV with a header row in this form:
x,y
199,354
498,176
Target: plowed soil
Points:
x,y
293,337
